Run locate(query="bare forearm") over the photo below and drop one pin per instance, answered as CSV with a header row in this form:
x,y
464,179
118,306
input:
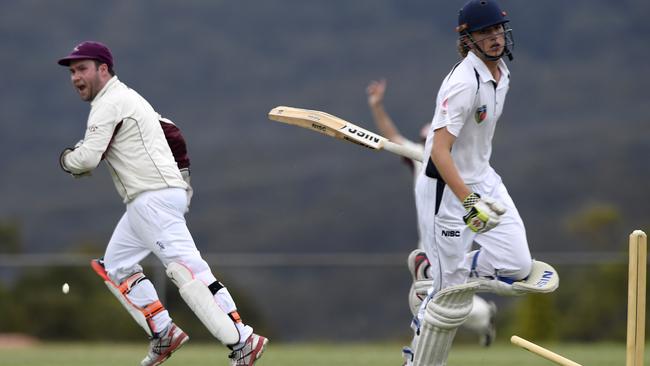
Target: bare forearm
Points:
x,y
447,169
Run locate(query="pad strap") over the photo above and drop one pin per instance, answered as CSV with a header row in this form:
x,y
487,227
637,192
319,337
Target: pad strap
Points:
x,y
126,285
153,309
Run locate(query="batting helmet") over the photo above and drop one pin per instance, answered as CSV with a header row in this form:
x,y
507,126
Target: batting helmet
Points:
x,y
480,14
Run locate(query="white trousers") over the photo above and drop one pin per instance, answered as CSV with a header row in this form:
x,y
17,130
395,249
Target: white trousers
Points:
x,y
154,222
447,240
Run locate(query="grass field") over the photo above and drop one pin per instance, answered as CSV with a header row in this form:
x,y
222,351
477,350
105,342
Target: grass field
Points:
x,y
501,354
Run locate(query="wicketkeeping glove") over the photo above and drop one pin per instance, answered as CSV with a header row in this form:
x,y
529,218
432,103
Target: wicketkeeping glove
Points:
x,y
482,213
68,150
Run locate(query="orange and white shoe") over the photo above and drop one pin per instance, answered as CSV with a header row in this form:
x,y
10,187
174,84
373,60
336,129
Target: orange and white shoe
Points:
x,y
162,346
250,352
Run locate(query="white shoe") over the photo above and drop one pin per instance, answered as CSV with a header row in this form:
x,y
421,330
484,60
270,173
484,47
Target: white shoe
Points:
x,y
162,346
418,264
250,352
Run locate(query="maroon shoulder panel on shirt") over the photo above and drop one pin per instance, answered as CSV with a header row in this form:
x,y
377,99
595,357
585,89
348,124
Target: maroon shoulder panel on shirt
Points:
x,y
177,144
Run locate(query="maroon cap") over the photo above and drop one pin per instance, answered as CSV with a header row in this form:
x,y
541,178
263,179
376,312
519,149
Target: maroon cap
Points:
x,y
89,50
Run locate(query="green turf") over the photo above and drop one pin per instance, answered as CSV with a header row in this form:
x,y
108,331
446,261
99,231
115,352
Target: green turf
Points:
x,y
376,354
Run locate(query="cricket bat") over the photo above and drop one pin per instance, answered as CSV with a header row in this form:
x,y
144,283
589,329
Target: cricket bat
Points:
x,y
341,129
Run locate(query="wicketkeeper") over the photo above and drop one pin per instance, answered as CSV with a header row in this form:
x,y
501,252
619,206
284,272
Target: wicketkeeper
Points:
x,y
126,132
461,200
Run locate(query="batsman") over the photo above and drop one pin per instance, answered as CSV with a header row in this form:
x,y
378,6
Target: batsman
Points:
x,y
138,147
471,231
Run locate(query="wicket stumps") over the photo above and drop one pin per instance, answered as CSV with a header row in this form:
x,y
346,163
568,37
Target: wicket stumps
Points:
x,y
636,294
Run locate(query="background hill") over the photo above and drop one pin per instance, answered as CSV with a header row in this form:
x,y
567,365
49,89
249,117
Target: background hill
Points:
x,y
572,143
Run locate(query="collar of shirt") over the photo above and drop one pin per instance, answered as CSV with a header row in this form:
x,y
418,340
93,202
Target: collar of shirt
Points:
x,y
482,69
109,84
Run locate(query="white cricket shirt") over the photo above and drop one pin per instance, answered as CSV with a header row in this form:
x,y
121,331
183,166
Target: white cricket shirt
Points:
x,y
124,129
469,104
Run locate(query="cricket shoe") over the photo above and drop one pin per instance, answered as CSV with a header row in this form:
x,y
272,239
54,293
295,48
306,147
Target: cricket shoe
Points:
x,y
162,346
250,352
418,264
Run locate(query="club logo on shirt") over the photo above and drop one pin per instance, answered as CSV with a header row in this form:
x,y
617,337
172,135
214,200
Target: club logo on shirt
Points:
x,y
480,114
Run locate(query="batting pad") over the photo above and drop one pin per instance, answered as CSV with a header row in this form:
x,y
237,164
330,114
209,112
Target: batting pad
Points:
x,y
444,314
140,315
543,278
418,292
199,298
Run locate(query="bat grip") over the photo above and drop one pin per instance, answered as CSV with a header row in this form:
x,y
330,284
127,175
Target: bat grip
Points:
x,y
407,152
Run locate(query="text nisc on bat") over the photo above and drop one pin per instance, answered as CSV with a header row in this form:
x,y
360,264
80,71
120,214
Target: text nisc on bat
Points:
x,y
364,135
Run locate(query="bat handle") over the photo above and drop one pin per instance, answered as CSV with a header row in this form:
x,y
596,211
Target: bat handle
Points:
x,y
407,152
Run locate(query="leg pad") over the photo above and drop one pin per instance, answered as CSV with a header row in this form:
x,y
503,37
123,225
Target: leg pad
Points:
x,y
444,314
142,315
199,298
543,278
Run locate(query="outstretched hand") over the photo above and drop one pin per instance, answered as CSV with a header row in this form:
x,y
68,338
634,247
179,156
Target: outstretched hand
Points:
x,y
376,90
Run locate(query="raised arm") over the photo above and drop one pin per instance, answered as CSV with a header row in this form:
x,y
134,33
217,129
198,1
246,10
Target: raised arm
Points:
x,y
375,92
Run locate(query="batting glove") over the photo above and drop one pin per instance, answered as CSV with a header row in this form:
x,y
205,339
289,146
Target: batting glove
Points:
x,y
482,213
